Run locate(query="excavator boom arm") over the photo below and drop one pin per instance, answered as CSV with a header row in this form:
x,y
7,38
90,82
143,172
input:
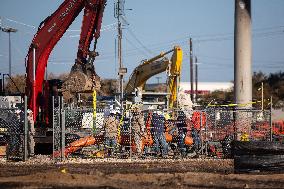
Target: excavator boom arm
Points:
x,y
154,66
145,71
175,72
91,26
50,32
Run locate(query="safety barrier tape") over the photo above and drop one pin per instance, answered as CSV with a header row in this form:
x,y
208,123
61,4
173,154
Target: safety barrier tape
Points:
x,y
233,104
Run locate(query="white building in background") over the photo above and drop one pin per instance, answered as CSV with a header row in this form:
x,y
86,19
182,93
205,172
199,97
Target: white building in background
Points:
x,y
206,87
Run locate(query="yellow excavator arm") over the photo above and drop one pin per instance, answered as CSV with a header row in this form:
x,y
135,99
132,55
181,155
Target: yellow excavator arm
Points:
x,y
174,77
154,66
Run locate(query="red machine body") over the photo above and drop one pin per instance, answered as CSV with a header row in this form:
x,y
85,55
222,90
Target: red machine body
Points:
x,y
49,33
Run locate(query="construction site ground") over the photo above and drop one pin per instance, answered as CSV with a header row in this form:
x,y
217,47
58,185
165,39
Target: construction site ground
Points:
x,y
42,172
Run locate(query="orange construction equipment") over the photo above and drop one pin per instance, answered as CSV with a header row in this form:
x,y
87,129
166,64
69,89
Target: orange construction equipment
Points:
x,y
76,145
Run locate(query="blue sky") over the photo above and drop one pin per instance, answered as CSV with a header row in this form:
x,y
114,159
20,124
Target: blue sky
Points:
x,y
154,26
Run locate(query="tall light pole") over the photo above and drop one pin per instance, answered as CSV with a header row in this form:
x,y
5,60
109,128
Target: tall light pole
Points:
x,y
9,30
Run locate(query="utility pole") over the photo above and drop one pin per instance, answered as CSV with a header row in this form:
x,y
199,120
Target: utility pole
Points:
x,y
196,79
119,11
120,59
191,69
243,63
262,96
9,30
158,79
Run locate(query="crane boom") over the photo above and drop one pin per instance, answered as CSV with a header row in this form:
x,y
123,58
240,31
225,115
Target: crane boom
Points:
x,y
49,33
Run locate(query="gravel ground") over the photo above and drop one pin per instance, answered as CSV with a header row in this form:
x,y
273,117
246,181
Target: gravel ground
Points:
x,y
42,172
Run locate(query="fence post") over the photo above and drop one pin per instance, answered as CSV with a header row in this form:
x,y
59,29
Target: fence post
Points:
x,y
250,114
25,129
62,115
234,120
53,129
215,125
94,111
130,132
59,124
206,133
201,133
271,129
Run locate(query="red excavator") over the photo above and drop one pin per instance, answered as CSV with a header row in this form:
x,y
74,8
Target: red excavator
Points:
x,y
82,76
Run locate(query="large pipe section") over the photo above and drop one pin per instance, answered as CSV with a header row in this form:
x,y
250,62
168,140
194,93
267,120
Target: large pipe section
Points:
x,y
242,61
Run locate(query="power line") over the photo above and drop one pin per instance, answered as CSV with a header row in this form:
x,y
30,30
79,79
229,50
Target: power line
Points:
x,y
103,28
183,40
135,47
21,23
140,43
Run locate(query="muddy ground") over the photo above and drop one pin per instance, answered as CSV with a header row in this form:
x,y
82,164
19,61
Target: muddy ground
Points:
x,y
111,173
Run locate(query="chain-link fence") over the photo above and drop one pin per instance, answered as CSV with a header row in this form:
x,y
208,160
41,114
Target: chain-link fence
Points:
x,y
90,134
12,128
12,133
222,127
135,133
278,130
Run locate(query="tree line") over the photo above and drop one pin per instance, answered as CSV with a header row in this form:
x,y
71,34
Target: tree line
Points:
x,y
273,85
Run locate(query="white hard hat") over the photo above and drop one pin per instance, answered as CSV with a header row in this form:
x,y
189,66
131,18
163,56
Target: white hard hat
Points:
x,y
151,107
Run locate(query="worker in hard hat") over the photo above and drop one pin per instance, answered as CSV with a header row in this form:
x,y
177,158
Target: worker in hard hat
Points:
x,y
158,129
198,121
138,129
167,116
110,125
31,133
182,130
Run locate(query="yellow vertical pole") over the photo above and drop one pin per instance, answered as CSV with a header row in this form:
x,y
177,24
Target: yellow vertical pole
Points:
x,y
94,110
